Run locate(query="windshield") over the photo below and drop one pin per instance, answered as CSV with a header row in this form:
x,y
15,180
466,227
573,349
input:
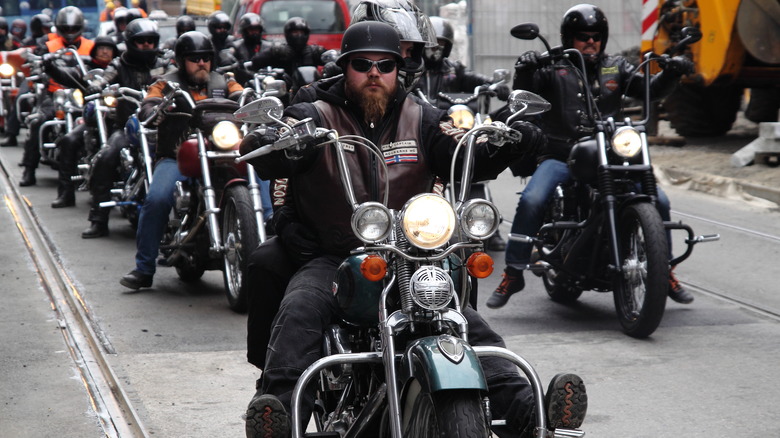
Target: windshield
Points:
x,y
322,16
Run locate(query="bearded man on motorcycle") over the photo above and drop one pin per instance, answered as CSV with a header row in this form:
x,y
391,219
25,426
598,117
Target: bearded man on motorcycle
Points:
x,y
584,27
194,58
135,68
70,25
368,100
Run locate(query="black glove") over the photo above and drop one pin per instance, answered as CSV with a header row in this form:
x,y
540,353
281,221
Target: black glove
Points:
x,y
502,92
93,89
533,140
679,65
257,139
331,69
527,61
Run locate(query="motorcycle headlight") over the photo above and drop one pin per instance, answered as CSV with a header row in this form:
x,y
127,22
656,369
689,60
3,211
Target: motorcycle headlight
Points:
x,y
7,70
371,222
479,219
59,97
428,221
109,100
226,135
77,97
626,142
431,287
462,116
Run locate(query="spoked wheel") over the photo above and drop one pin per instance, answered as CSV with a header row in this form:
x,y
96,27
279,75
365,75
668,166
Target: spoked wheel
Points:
x,y
240,237
640,292
453,413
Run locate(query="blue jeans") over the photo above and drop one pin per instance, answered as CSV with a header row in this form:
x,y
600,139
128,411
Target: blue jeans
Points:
x,y
529,214
265,198
154,214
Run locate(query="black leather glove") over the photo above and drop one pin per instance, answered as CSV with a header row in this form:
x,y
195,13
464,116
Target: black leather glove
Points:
x,y
331,69
257,139
527,61
679,65
533,140
502,92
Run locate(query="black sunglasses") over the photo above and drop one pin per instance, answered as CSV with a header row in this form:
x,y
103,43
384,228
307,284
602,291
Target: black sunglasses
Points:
x,y
363,65
197,58
584,37
146,40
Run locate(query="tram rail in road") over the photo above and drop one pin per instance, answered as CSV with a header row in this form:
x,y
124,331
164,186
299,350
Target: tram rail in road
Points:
x,y
86,343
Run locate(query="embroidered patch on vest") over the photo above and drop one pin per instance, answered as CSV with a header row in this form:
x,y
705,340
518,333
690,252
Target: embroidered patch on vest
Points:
x,y
404,151
610,70
611,85
218,93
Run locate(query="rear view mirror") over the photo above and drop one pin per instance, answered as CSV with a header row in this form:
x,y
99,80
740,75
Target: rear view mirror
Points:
x,y
525,31
527,103
264,110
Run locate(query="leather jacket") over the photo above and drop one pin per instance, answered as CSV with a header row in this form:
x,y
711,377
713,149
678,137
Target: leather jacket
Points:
x,y
123,71
417,143
561,85
449,77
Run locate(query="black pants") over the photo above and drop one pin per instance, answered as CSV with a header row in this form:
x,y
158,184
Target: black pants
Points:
x,y
104,174
309,306
32,151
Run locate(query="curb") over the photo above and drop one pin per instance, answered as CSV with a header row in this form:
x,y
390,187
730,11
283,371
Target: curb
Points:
x,y
721,186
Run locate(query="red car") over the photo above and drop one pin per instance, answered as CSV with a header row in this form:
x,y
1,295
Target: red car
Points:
x,y
327,18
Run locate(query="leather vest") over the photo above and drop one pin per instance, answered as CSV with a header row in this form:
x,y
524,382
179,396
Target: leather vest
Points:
x,y
329,213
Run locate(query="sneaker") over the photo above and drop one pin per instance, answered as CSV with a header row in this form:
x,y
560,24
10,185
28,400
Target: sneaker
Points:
x,y
677,292
512,283
136,280
566,402
267,418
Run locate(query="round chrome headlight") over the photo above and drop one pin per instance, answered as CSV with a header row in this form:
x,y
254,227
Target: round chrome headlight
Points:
x,y
431,288
626,142
7,70
109,100
78,97
226,135
428,221
479,219
371,222
462,116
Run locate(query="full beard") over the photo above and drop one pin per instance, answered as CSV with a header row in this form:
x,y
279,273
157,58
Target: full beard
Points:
x,y
200,77
372,102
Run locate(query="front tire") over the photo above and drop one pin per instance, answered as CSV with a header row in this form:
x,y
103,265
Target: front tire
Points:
x,y
640,292
450,414
240,238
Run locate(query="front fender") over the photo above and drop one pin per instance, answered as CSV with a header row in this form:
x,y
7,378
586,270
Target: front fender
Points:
x,y
440,363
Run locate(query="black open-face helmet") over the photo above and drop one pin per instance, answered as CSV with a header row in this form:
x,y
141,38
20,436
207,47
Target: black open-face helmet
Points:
x,y
19,28
370,36
584,18
445,34
104,41
4,24
193,43
140,29
69,23
219,25
185,23
40,25
248,21
296,33
413,27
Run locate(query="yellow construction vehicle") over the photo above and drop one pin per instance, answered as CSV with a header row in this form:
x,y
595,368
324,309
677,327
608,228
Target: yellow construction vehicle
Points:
x,y
740,49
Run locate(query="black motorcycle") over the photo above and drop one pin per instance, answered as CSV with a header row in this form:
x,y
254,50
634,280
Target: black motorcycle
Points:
x,y
603,231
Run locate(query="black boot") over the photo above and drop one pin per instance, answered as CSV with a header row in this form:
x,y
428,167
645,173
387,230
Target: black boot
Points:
x,y
10,140
66,193
96,229
28,177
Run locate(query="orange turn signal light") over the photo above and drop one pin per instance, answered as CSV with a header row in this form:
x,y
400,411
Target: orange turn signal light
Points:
x,y
60,114
373,268
480,265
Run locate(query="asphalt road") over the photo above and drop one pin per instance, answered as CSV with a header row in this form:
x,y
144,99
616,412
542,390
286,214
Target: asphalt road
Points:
x,y
177,349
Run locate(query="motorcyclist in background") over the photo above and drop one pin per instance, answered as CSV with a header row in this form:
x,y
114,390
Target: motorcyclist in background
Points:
x,y
250,46
71,145
136,68
18,32
386,113
6,41
585,28
194,58
219,26
445,75
185,23
40,26
120,23
70,25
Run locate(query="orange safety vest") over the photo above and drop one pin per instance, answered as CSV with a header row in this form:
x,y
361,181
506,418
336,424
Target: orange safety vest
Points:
x,y
54,44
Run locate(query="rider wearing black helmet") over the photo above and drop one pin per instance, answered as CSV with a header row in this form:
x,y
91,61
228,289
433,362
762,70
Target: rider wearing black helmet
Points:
x,y
18,32
251,44
40,27
194,58
185,23
136,68
219,26
371,52
585,28
6,41
70,25
295,52
120,23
